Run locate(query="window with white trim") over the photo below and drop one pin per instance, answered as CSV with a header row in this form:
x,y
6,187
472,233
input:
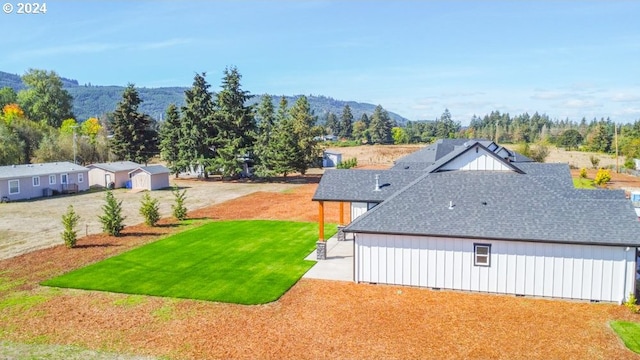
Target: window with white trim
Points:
x,y
80,177
64,179
14,187
482,254
36,181
52,179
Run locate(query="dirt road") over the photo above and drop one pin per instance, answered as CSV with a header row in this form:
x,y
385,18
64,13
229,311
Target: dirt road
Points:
x,y
30,225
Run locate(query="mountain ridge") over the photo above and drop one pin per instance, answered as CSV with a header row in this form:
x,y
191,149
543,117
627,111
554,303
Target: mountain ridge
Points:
x,y
95,100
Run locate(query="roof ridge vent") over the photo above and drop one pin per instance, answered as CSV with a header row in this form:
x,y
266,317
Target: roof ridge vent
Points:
x,y
377,183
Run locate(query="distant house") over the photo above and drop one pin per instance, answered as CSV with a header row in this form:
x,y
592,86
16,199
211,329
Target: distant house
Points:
x,y
331,159
470,215
150,177
112,174
20,182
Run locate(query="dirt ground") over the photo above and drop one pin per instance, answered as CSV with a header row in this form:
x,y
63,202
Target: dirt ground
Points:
x,y
36,224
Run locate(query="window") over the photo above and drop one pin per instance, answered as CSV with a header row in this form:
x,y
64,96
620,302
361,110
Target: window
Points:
x,y
80,177
52,179
482,254
14,187
36,181
64,179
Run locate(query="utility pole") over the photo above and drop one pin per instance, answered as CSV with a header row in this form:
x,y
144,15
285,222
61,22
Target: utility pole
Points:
x,y
615,132
74,144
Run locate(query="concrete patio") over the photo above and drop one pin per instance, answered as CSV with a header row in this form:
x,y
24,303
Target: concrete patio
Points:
x,y
337,266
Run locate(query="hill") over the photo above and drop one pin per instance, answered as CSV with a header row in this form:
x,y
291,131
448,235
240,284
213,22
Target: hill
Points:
x,y
92,100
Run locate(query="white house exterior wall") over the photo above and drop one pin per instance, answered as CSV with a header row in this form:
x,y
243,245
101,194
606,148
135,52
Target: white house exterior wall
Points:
x,y
588,272
357,209
479,161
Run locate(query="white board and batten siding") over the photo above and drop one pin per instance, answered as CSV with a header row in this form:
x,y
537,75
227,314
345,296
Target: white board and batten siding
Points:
x,y
359,208
476,161
587,272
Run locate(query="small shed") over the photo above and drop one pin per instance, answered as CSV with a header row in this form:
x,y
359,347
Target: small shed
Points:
x,y
150,177
112,174
331,159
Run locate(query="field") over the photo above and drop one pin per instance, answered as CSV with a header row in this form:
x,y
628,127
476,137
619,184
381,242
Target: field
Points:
x,y
315,319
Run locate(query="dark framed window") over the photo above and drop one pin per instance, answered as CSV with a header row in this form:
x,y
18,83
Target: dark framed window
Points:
x,y
482,254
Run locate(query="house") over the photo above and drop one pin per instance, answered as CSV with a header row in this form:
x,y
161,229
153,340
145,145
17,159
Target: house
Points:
x,y
112,174
331,159
21,182
473,216
150,177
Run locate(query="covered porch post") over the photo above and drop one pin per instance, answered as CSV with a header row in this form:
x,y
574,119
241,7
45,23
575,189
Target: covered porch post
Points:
x,y
321,245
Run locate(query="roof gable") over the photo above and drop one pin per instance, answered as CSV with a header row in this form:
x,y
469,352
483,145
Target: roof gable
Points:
x,y
473,157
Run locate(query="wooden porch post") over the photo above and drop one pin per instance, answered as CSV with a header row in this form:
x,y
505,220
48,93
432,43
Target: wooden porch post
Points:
x,y
341,213
321,220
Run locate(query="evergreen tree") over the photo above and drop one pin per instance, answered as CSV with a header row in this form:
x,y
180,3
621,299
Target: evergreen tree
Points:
x,y
346,123
179,210
197,129
266,126
303,122
44,99
150,210
365,119
332,124
170,139
112,220
284,147
380,126
11,149
7,96
599,139
235,123
131,137
69,222
447,128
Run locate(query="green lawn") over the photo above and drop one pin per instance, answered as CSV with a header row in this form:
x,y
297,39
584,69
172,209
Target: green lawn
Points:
x,y
629,332
244,262
581,183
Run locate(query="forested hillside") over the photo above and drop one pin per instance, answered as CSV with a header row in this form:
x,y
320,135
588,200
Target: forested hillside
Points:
x,y
95,101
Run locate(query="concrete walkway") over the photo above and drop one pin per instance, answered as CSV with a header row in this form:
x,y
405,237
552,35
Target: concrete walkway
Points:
x,y
337,266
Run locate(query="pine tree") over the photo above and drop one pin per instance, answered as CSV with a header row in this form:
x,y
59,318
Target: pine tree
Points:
x,y
303,122
380,126
365,119
266,127
346,123
286,156
179,210
69,222
197,129
131,139
170,139
150,210
235,124
332,124
112,220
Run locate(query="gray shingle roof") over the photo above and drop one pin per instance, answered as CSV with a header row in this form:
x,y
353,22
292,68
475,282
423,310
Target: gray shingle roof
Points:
x,y
359,185
116,166
153,169
502,205
28,170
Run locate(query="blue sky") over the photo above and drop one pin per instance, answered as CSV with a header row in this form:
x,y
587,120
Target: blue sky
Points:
x,y
416,58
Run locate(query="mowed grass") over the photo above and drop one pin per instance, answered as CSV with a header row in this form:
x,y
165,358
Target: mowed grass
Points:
x,y
243,262
580,183
629,332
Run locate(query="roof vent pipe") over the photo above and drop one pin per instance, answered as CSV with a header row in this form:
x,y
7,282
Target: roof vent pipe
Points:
x,y
450,205
377,183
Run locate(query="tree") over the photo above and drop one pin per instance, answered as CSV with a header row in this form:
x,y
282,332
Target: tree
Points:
x,y
303,122
44,99
91,128
332,124
69,222
131,138
285,154
599,139
112,220
170,138
68,126
197,130
570,139
11,146
539,153
235,125
11,112
360,131
179,210
380,126
7,96
266,126
346,123
446,127
399,135
150,210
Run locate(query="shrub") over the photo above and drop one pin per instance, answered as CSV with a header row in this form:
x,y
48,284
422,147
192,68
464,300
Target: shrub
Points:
x,y
539,153
348,164
583,173
630,164
69,223
150,210
595,161
602,177
631,303
178,208
112,220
